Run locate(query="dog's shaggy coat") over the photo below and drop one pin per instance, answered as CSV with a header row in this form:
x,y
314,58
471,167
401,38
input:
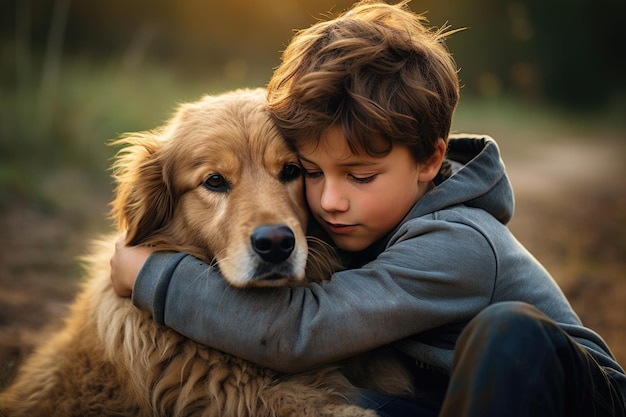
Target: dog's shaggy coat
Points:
x,y
202,184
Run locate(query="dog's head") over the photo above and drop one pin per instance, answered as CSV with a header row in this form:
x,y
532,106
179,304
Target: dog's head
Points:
x,y
218,182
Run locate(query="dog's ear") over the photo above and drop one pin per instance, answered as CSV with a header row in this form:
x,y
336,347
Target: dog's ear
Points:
x,y
143,202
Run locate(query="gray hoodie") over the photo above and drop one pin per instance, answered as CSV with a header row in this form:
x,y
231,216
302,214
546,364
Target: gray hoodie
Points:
x,y
449,258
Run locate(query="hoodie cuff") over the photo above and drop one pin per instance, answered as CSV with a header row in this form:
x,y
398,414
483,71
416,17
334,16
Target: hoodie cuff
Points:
x,y
152,282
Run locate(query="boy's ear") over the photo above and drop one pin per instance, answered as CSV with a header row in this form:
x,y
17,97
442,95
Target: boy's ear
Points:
x,y
430,168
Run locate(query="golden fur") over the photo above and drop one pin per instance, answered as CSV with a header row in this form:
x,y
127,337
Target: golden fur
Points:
x,y
112,359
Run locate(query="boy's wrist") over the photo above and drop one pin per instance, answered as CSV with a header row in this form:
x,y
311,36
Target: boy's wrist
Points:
x,y
126,263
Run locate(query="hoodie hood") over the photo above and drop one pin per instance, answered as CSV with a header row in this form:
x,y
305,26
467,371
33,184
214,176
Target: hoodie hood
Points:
x,y
480,182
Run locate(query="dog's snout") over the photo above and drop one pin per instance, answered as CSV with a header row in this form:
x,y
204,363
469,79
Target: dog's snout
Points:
x,y
273,243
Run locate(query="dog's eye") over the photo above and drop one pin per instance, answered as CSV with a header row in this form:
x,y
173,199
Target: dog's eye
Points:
x,y
217,183
290,172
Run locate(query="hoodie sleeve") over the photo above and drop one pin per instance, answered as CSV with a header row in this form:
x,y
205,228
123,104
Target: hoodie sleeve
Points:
x,y
416,284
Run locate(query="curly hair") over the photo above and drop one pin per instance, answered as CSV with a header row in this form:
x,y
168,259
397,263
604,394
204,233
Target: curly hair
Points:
x,y
378,70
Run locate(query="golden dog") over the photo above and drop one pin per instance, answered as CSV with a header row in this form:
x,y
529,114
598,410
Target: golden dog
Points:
x,y
217,182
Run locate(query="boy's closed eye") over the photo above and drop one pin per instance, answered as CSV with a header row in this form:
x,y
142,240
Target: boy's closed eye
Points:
x,y
361,179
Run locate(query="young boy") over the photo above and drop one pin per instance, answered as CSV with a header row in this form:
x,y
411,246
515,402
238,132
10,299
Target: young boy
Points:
x,y
366,100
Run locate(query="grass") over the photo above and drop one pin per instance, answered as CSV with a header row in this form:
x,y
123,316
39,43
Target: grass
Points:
x,y
536,121
53,144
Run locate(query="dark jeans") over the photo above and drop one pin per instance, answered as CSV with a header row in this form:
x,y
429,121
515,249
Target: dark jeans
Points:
x,y
511,360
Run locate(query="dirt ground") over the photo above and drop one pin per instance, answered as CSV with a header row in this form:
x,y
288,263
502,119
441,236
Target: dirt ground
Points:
x,y
571,213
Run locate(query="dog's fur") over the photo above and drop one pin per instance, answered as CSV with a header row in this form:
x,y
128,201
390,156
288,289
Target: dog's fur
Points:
x,y
202,184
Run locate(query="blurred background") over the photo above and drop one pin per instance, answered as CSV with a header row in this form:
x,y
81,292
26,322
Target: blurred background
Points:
x,y
546,79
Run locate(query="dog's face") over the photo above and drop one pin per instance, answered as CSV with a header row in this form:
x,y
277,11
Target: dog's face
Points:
x,y
218,182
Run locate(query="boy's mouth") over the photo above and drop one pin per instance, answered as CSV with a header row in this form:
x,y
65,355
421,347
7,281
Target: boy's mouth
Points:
x,y
339,228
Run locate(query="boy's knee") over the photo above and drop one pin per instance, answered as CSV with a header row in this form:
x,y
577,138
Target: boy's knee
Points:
x,y
506,336
509,312
508,321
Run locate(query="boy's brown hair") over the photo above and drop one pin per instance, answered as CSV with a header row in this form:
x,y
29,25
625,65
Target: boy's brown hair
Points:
x,y
377,70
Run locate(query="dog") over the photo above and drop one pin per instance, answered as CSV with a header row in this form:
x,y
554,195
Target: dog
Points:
x,y
218,182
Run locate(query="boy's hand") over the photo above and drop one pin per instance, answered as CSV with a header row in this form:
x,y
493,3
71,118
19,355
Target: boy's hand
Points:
x,y
125,265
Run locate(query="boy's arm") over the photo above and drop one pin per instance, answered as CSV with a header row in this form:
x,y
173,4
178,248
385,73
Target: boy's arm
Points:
x,y
296,329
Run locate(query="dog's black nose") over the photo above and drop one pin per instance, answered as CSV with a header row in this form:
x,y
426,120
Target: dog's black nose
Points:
x,y
273,243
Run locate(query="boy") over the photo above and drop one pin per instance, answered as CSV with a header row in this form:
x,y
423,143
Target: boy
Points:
x,y
366,100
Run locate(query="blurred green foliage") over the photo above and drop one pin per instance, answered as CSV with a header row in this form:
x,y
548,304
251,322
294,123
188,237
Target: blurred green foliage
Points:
x,y
565,51
76,74
54,143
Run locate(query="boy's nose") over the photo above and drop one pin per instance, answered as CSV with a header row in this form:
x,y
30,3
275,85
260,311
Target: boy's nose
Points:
x,y
332,198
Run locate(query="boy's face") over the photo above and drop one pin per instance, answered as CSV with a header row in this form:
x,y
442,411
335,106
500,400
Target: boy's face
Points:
x,y
358,198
